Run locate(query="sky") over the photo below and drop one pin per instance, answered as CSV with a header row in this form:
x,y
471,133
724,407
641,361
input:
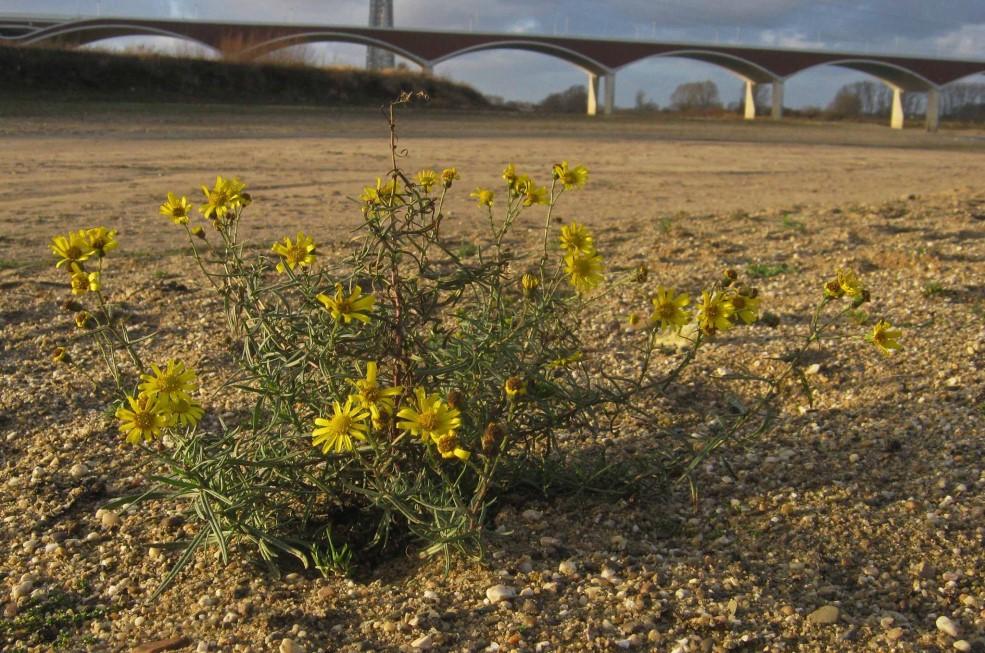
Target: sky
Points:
x,y
946,28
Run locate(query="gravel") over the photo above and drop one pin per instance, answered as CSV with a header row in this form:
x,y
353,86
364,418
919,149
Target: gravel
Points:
x,y
857,524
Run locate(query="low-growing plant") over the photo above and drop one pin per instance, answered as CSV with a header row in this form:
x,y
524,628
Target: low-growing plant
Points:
x,y
397,392
766,270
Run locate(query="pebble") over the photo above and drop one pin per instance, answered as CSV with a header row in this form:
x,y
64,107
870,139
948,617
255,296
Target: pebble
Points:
x,y
21,589
498,593
531,515
162,645
962,645
568,568
287,645
108,518
78,470
826,614
424,643
946,626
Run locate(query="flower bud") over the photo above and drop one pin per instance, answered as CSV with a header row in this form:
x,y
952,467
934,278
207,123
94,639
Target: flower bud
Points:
x,y
641,274
455,398
832,289
529,283
198,232
514,386
729,277
72,305
492,438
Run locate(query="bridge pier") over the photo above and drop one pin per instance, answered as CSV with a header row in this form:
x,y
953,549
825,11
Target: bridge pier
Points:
x,y
610,93
933,109
750,103
593,94
777,112
896,117
427,69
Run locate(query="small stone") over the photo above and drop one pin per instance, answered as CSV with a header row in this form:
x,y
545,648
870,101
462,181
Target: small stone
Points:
x,y
21,589
498,593
78,470
108,518
568,568
293,578
825,615
946,626
10,610
531,515
430,595
162,645
622,643
203,647
894,634
423,643
287,645
962,645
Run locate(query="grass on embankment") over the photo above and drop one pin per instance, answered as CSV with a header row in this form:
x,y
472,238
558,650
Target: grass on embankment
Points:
x,y
50,74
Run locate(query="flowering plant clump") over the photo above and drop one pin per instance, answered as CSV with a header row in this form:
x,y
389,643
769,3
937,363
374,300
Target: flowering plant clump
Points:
x,y
398,389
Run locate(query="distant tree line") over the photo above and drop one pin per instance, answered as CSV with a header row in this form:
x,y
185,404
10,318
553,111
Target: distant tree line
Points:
x,y
964,101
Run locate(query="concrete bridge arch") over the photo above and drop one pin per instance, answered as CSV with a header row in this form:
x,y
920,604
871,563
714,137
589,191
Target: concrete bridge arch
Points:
x,y
80,33
258,49
898,78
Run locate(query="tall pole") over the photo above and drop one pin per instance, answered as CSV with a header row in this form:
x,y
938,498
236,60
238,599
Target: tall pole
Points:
x,y
380,16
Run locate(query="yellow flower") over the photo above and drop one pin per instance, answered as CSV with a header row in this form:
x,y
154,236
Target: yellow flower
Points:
x,y
448,175
447,446
173,383
714,312
101,240
347,309
430,418
509,174
300,252
514,387
61,355
144,420
536,195
634,320
426,179
348,423
885,337
198,232
222,200
83,320
177,208
584,270
745,304
371,396
570,177
668,309
83,282
529,283
576,238
183,412
482,196
849,283
832,289
384,194
72,249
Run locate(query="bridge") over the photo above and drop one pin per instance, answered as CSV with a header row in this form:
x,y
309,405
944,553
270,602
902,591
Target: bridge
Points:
x,y
599,58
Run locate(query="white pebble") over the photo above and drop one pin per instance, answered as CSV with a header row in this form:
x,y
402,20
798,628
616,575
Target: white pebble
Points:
x,y
568,568
21,589
287,645
78,470
424,643
945,625
108,518
498,593
962,645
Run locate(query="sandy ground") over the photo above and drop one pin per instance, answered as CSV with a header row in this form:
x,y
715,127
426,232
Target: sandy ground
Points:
x,y
856,526
70,168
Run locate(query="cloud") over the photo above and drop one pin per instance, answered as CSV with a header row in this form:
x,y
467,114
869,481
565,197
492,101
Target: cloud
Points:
x,y
967,41
789,38
525,26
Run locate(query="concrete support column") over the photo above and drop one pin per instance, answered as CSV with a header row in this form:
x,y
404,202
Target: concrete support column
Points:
x,y
896,117
427,69
777,112
933,109
610,93
593,94
750,103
